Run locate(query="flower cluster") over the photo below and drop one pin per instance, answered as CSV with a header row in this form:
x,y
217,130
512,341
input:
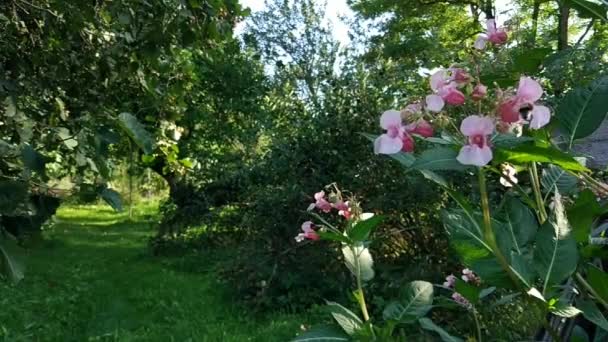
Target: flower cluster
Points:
x,y
511,110
324,204
467,276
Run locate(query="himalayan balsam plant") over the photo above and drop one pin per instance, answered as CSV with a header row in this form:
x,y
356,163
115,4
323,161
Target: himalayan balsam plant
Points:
x,y
532,237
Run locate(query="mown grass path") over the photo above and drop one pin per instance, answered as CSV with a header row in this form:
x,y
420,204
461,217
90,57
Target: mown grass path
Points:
x,y
91,279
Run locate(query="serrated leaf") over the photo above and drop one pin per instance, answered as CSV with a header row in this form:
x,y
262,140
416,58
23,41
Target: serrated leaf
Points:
x,y
362,229
137,132
10,258
439,159
415,300
322,334
583,110
520,223
429,325
554,176
465,237
555,255
112,197
524,154
348,320
359,261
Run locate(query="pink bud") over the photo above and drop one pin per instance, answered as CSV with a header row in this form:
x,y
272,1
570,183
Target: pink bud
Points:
x,y
460,76
498,38
453,96
423,128
509,111
408,143
479,92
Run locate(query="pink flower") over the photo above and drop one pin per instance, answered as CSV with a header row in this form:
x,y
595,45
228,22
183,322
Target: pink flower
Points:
x,y
308,232
470,277
477,152
343,209
528,92
496,36
458,298
320,203
479,92
450,281
446,90
421,127
460,76
408,143
392,141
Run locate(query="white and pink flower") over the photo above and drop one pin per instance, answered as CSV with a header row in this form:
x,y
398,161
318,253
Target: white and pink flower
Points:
x,y
399,137
343,208
524,102
444,84
308,232
478,130
494,35
320,203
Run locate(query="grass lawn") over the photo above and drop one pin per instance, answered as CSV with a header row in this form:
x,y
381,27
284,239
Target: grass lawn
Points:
x,y
91,279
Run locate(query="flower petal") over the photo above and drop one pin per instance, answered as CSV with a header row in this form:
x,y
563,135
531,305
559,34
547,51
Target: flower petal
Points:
x,y
491,26
438,79
434,103
384,144
480,42
529,90
390,118
474,155
477,125
541,116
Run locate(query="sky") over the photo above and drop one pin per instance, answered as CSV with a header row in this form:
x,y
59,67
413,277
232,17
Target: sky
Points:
x,y
335,9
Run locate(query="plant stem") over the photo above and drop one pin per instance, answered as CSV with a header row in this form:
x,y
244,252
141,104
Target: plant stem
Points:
x,y
360,295
554,335
488,233
588,287
542,213
479,337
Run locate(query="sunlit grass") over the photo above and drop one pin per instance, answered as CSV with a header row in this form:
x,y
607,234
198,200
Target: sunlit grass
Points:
x,y
91,279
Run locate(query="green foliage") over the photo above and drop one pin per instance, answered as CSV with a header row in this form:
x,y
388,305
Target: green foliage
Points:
x,y
415,300
348,321
322,334
583,109
529,153
137,132
10,258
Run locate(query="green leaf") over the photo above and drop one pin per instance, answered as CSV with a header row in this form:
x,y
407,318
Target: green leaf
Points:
x,y
359,261
505,300
563,309
554,176
349,321
556,255
10,258
486,292
468,291
465,237
588,9
137,132
520,223
362,229
12,193
509,140
598,280
433,176
415,300
428,324
490,270
521,264
582,214
439,159
331,236
579,335
10,109
524,154
528,61
592,313
113,198
324,333
33,160
583,110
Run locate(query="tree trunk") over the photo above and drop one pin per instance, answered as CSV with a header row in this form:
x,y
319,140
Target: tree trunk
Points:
x,y
564,15
535,14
